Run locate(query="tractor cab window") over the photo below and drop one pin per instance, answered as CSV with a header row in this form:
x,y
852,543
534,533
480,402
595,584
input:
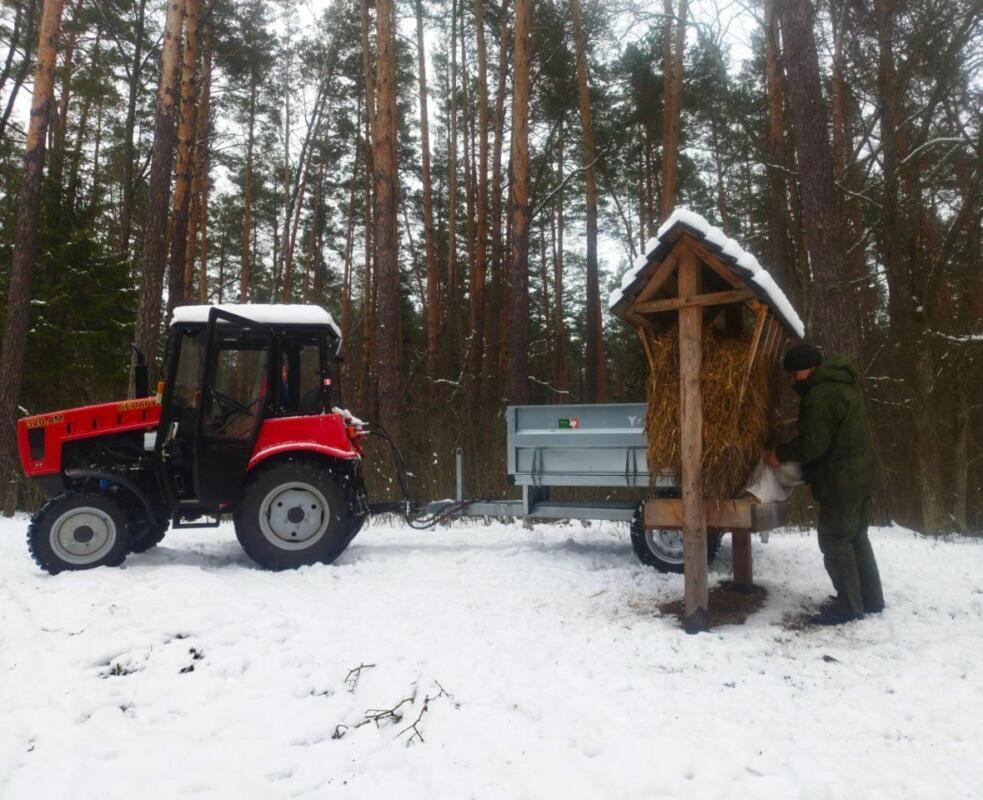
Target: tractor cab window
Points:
x,y
300,375
240,387
187,375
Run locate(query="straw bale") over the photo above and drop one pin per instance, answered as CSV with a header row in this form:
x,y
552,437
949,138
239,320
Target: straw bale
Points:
x,y
734,433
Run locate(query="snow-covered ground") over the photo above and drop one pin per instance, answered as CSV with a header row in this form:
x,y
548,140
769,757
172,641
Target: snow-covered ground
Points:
x,y
548,670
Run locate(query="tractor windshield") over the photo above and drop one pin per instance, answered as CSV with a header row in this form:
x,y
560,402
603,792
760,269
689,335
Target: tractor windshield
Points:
x,y
240,386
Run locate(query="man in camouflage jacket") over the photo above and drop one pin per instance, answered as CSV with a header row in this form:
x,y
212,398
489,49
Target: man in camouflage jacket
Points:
x,y
839,459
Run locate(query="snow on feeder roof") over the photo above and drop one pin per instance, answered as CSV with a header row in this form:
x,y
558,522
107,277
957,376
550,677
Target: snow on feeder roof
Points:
x,y
715,245
265,313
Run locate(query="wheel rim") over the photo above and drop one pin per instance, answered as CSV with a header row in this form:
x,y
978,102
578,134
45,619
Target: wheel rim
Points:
x,y
83,535
294,516
666,545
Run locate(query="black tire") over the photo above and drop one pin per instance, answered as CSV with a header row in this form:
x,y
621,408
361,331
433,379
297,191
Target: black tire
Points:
x,y
76,530
143,542
658,548
358,504
294,513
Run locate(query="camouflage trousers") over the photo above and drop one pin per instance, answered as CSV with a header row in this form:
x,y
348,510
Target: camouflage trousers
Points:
x,y
848,556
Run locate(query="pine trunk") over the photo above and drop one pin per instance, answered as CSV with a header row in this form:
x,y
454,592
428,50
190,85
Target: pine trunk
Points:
x,y
387,283
452,310
162,159
25,249
245,275
559,327
495,301
57,159
197,239
518,384
430,248
181,211
133,83
481,234
779,251
835,311
595,368
672,67
366,397
346,285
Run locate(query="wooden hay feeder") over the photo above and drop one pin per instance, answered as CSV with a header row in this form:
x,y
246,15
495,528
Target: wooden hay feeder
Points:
x,y
694,280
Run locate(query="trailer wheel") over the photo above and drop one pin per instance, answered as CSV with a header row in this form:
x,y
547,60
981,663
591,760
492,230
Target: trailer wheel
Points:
x,y
75,530
293,513
663,548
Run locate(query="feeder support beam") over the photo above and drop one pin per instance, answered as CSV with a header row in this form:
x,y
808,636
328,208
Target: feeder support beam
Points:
x,y
712,299
696,615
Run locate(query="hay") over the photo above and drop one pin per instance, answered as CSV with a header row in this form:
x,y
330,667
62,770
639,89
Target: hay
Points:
x,y
734,433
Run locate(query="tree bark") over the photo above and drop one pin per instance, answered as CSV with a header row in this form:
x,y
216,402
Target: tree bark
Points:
x,y
430,249
845,172
495,301
835,311
452,310
197,242
595,368
183,171
57,160
25,249
481,234
368,294
779,252
245,275
388,285
559,326
129,127
346,285
519,346
155,230
313,233
672,67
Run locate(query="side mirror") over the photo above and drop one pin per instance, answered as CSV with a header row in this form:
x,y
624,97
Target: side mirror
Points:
x,y
141,382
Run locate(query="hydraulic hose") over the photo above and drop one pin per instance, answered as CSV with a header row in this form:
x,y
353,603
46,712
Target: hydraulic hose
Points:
x,y
414,520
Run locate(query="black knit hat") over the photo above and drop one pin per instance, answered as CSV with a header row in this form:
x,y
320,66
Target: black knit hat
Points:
x,y
802,356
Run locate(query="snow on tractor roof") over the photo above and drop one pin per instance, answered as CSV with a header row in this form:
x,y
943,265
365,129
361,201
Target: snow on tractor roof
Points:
x,y
743,264
266,313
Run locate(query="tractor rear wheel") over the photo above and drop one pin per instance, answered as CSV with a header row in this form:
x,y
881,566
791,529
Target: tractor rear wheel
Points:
x,y
75,530
293,513
663,548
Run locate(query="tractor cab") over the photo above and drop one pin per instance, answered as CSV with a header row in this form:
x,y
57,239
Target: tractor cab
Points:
x,y
229,370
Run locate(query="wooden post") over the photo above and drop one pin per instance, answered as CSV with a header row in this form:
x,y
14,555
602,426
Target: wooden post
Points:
x,y
743,568
696,615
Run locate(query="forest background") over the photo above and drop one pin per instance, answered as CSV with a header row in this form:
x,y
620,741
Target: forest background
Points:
x,y
461,183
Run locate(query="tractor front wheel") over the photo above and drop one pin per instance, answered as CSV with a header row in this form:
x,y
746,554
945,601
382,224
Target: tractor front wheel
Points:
x,y
291,514
75,530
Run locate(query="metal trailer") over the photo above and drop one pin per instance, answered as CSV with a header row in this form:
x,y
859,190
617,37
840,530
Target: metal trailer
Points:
x,y
603,446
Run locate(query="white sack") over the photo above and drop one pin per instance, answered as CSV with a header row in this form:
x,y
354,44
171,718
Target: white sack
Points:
x,y
773,484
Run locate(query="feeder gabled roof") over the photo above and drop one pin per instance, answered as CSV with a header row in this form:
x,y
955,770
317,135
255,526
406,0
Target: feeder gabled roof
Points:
x,y
728,254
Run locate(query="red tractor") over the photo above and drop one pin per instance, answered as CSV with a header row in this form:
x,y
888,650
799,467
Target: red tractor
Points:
x,y
242,424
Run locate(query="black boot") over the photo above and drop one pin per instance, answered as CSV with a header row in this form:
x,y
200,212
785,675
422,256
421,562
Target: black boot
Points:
x,y
833,611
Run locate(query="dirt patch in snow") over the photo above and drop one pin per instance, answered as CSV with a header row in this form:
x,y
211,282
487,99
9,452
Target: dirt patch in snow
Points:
x,y
730,604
